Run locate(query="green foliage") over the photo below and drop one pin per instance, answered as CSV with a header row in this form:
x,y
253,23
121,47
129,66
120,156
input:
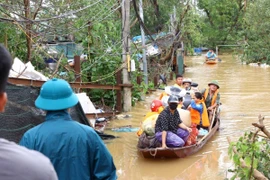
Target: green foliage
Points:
x,y
222,20
255,154
257,32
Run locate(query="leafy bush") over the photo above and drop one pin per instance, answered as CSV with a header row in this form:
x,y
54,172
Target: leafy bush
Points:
x,y
255,153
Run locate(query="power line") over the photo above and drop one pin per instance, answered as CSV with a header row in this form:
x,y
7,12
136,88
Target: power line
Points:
x,y
56,17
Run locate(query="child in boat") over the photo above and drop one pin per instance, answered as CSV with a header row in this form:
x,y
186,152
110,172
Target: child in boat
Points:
x,y
198,111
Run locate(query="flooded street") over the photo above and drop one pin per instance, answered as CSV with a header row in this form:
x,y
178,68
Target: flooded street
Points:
x,y
244,95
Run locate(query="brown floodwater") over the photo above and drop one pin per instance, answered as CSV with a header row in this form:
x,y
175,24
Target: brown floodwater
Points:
x,y
244,95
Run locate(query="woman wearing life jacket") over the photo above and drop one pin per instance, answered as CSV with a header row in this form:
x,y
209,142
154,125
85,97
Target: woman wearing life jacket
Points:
x,y
211,96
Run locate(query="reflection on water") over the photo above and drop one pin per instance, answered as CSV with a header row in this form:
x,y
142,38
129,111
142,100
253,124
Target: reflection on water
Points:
x,y
244,95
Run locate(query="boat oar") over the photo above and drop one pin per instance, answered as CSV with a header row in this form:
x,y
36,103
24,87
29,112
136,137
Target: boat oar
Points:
x,y
213,119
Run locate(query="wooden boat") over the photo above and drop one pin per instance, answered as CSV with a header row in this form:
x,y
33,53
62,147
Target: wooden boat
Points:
x,y
211,61
181,151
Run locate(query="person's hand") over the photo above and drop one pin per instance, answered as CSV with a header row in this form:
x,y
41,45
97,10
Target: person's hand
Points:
x,y
210,108
164,146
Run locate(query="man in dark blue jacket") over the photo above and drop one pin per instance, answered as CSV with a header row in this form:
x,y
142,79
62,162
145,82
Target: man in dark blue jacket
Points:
x,y
17,162
76,150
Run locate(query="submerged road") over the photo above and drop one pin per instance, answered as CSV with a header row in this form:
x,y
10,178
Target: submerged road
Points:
x,y
244,95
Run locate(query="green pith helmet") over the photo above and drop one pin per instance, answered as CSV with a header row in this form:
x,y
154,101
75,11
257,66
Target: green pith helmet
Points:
x,y
56,94
214,82
173,99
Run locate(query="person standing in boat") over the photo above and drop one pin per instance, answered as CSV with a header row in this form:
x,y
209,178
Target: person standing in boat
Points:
x,y
210,55
169,128
211,97
76,150
17,162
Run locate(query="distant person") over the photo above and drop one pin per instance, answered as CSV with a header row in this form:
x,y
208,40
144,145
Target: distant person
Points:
x,y
17,162
170,131
76,150
210,55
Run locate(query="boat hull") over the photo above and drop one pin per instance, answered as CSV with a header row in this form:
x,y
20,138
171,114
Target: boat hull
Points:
x,y
179,152
211,61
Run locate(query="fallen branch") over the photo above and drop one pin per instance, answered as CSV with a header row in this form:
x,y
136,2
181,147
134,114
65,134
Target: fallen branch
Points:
x,y
134,22
261,126
256,174
57,66
167,56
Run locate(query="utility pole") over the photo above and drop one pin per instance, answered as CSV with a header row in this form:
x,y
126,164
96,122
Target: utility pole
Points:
x,y
125,54
143,46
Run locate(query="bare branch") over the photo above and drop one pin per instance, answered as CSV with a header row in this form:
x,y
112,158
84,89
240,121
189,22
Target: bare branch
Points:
x,y
36,12
261,126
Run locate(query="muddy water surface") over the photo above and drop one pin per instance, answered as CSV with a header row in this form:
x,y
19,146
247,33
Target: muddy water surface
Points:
x,y
244,94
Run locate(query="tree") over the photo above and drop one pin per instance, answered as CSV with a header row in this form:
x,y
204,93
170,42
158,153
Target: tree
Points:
x,y
256,32
222,21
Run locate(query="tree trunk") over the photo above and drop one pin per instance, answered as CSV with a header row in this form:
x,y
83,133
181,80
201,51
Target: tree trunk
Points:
x,y
28,28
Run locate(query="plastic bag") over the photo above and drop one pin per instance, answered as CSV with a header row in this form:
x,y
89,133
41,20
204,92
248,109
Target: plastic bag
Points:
x,y
148,125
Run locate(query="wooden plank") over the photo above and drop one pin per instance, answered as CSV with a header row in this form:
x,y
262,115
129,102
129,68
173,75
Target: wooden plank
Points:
x,y
119,92
37,83
77,68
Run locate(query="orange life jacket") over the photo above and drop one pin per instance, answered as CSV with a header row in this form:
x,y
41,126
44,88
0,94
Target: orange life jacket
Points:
x,y
195,116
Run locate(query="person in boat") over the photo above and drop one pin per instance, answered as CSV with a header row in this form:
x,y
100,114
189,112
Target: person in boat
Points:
x,y
187,84
194,87
210,55
211,97
170,131
173,90
179,81
17,162
178,84
198,111
76,150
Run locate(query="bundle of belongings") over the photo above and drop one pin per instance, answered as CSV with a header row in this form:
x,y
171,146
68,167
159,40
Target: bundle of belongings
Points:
x,y
146,132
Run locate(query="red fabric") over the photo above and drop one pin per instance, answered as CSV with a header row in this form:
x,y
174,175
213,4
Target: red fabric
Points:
x,y
155,105
193,135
